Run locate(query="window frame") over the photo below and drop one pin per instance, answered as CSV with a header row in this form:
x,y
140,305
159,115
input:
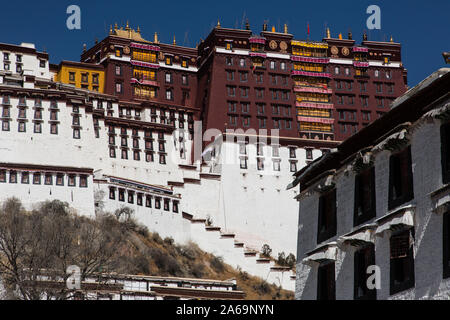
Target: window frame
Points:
x,y
327,229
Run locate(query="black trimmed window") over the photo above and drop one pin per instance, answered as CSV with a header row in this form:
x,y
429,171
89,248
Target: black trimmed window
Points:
x,y
83,181
36,178
326,282
122,195
148,201
446,245
327,216
364,257
401,188
445,152
157,203
175,206
71,181
48,180
13,177
365,207
402,261
166,204
139,199
60,180
25,178
112,193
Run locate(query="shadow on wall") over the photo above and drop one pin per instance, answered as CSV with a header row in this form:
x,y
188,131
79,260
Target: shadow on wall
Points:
x,y
344,274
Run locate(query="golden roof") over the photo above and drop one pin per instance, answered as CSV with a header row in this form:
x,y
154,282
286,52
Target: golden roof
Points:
x,y
127,33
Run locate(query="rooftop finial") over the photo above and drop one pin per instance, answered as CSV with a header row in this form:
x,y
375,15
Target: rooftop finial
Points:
x,y
365,36
392,39
340,36
139,29
110,29
247,25
155,40
128,26
350,35
116,26
265,26
174,41
218,23
328,33
273,29
84,47
285,28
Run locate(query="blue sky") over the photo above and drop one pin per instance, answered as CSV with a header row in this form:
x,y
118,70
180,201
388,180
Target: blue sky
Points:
x,y
421,26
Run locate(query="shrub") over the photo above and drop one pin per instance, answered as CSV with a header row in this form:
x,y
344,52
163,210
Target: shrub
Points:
x,y
169,241
263,288
266,251
290,260
157,238
217,264
198,270
281,259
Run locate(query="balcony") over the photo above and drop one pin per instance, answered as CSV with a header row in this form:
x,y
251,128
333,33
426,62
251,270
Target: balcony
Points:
x,y
258,55
145,82
313,90
360,64
310,60
144,64
311,74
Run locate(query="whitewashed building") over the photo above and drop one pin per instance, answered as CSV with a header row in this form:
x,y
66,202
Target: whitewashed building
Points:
x,y
92,151
381,198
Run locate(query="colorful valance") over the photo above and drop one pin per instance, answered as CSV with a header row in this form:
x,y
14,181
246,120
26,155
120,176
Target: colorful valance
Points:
x,y
312,60
315,120
311,74
144,64
144,46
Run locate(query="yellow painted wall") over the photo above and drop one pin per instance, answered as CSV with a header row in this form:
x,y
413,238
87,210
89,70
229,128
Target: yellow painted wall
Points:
x,y
64,72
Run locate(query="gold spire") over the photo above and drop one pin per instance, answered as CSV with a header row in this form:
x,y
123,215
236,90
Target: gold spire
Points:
x,y
285,28
115,26
328,33
110,29
139,29
392,39
273,29
174,41
128,26
340,36
155,40
218,23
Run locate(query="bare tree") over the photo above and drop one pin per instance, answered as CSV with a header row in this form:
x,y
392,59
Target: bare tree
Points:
x,y
37,247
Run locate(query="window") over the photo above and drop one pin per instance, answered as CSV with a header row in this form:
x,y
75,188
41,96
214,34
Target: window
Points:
x,y
53,128
175,206
22,126
364,197
25,178
169,94
118,70
402,261
446,245
400,178
168,77
377,73
6,56
276,165
184,79
242,62
260,164
245,107
130,197
275,151
231,106
76,133
162,159
121,195
148,201
166,204
124,154
59,179
112,193
363,86
243,76
5,125
364,257
95,78
244,92
260,108
445,153
231,91
12,177
168,60
184,63
229,61
293,166
292,153
2,176
37,178
326,282
283,65
262,122
139,199
272,65
84,77
157,203
72,76
118,87
119,52
388,74
336,70
347,71
229,45
71,181
149,157
327,216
